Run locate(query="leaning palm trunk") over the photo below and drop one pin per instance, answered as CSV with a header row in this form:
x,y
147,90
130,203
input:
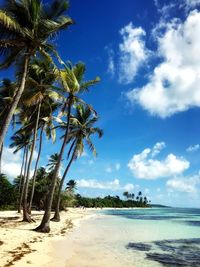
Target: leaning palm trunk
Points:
x,y
15,101
21,180
1,153
45,223
56,217
26,216
35,171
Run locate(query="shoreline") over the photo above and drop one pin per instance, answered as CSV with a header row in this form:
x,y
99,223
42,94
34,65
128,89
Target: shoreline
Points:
x,y
19,246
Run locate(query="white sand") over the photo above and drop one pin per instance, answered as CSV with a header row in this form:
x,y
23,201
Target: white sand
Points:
x,y
22,247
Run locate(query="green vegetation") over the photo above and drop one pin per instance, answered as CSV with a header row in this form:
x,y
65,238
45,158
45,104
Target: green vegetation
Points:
x,y
44,99
67,197
110,202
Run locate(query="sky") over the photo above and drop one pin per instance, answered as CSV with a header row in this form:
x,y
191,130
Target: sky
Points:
x,y
147,56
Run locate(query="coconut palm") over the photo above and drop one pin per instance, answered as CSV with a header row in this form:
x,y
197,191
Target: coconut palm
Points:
x,y
72,79
46,125
52,162
71,185
27,27
81,129
39,93
6,95
21,141
126,194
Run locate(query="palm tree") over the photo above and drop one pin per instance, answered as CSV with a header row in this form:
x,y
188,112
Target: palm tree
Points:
x,y
39,93
126,194
81,128
52,162
145,200
6,94
27,26
35,169
21,141
71,185
72,79
132,196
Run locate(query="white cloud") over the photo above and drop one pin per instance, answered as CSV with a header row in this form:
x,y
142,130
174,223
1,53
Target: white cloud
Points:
x,y
174,84
193,148
144,166
111,63
11,163
117,166
186,185
109,185
92,183
157,148
133,52
165,9
190,4
129,187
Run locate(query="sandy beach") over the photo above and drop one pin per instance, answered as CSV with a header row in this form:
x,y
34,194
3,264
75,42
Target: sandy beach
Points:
x,y
19,246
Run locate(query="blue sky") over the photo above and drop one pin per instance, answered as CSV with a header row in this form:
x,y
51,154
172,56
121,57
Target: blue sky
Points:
x,y
147,55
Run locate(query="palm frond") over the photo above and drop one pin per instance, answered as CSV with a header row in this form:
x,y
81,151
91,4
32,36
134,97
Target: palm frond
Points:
x,y
10,23
91,146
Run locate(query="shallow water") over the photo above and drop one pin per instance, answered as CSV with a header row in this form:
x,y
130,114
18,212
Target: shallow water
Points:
x,y
140,237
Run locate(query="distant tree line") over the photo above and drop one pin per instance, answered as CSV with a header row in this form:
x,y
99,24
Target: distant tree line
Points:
x,y
111,202
10,194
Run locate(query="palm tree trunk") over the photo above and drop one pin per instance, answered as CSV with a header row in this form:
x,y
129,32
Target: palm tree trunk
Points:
x,y
56,217
35,171
21,178
1,153
16,98
26,216
45,223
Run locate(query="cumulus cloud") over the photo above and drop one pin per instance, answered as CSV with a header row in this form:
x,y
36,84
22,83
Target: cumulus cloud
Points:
x,y
144,166
185,185
11,163
166,9
129,187
113,185
157,148
174,84
193,148
133,52
191,4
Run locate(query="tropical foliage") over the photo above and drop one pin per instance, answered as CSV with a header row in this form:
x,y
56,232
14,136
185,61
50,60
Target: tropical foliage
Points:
x,y
44,100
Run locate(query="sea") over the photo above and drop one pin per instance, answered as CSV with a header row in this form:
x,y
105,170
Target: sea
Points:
x,y
149,237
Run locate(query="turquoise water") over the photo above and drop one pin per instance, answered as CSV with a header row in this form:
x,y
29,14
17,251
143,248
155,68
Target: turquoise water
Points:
x,y
136,238
159,236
